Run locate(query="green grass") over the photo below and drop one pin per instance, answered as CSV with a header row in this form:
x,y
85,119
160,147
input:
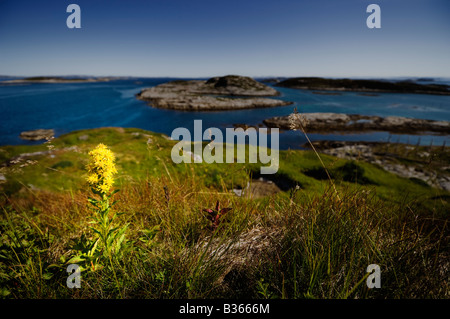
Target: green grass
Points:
x,y
305,242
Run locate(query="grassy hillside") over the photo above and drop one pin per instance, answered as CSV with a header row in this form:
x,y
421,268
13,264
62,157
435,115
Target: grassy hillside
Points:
x,y
292,235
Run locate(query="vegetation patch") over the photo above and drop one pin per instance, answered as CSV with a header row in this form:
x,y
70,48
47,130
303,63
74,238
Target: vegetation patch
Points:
x,y
156,229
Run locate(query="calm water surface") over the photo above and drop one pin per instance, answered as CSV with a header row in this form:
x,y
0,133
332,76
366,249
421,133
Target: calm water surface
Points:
x,y
73,106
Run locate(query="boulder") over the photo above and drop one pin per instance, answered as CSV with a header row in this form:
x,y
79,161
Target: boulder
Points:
x,y
36,135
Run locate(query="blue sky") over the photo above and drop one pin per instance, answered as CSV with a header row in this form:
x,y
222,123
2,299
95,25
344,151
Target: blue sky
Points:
x,y
197,38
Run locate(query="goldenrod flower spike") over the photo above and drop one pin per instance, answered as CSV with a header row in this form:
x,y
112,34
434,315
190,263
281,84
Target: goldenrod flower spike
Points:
x,y
101,168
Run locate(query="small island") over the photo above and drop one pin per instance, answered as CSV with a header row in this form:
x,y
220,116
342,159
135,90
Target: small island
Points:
x,y
323,84
337,122
230,92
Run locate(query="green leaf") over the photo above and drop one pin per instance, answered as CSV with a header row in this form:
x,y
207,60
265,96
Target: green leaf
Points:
x,y
76,259
118,244
95,230
93,201
114,203
151,233
54,266
96,192
4,276
111,231
121,235
47,276
4,292
93,248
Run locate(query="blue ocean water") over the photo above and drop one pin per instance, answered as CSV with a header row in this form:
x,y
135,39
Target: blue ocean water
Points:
x,y
67,107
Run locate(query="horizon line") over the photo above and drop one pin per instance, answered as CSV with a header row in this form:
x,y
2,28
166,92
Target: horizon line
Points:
x,y
211,76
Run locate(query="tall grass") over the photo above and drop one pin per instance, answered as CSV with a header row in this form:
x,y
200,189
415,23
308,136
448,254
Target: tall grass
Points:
x,y
295,245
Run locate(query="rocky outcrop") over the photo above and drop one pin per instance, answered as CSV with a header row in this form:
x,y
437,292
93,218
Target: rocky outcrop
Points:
x,y
236,85
329,122
19,159
218,93
36,135
402,160
317,83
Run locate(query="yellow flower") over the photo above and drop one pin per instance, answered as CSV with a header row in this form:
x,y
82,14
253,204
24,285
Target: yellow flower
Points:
x,y
101,168
92,179
104,188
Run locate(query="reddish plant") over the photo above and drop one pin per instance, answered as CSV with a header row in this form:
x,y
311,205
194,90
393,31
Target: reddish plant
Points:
x,y
214,215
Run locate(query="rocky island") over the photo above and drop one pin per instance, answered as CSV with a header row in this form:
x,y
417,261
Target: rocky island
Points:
x,y
323,84
230,92
332,122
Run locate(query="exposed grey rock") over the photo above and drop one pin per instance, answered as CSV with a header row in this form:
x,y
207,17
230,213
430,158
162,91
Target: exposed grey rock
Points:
x,y
218,93
236,85
258,188
84,137
36,135
32,187
25,156
355,151
445,184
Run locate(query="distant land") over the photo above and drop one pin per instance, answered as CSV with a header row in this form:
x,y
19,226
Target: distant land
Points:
x,y
56,79
405,86
318,84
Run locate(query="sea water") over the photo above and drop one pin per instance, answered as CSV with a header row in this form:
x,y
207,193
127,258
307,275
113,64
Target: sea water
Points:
x,y
66,107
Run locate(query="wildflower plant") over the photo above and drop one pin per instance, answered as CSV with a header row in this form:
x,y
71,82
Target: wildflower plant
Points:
x,y
110,237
